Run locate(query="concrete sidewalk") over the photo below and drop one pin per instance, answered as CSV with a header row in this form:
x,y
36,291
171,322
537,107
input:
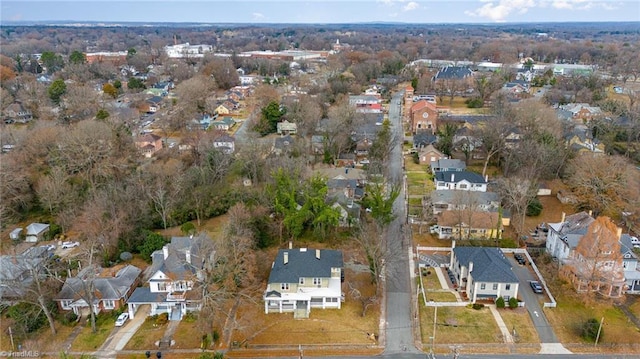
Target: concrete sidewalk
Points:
x,y
506,335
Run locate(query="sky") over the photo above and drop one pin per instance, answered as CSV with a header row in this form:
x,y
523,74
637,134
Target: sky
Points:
x,y
321,11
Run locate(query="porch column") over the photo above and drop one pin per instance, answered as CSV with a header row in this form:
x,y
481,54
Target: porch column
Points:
x,y
324,300
280,305
131,309
266,307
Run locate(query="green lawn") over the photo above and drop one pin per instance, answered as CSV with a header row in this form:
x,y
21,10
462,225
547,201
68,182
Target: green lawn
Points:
x,y
440,296
459,325
519,321
87,340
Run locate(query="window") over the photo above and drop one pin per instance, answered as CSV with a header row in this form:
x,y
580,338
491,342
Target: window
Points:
x,y
483,286
284,286
507,287
463,186
65,304
109,304
162,286
495,286
301,281
317,281
331,300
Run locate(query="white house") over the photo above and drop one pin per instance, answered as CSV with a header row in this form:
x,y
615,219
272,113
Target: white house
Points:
x,y
225,143
302,279
461,180
565,235
483,273
172,278
36,232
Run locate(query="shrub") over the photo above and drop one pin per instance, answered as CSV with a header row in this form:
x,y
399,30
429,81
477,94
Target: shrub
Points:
x,y
28,317
68,319
152,242
477,306
188,228
513,302
161,319
500,302
534,208
416,158
474,102
589,329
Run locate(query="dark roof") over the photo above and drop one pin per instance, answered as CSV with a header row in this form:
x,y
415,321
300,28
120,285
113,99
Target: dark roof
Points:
x,y
453,72
176,265
489,264
457,176
423,139
283,142
143,295
303,263
114,287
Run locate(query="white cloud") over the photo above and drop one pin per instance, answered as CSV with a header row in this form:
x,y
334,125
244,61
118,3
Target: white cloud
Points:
x,y
257,16
412,5
498,10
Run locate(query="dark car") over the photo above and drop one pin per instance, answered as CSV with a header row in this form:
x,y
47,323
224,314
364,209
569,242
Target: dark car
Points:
x,y
535,285
520,259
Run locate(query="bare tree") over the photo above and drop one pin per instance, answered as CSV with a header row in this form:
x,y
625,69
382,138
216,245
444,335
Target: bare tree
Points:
x,y
370,239
517,193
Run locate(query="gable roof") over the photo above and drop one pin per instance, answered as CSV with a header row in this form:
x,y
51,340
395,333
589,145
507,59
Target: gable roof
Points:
x,y
458,176
452,196
224,138
177,265
479,219
424,138
489,264
106,287
36,228
422,104
303,263
448,163
283,142
453,72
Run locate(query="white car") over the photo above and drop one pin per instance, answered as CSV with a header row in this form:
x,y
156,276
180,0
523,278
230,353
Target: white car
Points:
x,y
122,318
49,247
69,244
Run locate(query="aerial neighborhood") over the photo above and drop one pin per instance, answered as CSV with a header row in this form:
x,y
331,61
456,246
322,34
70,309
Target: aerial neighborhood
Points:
x,y
220,191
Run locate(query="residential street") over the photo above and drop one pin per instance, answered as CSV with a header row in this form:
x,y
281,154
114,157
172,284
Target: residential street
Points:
x,y
399,329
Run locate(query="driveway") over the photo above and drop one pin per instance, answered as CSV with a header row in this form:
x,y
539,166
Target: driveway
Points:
x,y
548,340
120,336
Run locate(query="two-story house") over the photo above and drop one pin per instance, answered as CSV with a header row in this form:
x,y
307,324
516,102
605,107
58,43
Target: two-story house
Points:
x,y
302,279
149,144
172,278
225,143
630,263
460,180
424,117
16,112
17,271
224,123
108,288
483,273
589,253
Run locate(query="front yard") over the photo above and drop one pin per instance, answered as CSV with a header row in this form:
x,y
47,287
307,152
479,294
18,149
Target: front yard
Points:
x,y
88,341
458,325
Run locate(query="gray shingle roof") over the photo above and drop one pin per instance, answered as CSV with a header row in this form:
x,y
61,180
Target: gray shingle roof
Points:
x,y
112,288
303,263
452,196
489,264
176,265
457,176
453,72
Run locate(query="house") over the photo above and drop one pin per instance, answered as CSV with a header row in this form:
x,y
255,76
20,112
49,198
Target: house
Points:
x,y
286,128
423,139
363,146
462,180
350,187
449,200
225,123
36,232
231,104
564,236
149,144
172,278
283,144
447,164
154,103
366,103
483,273
430,154
580,139
223,109
469,223
302,279
17,270
225,143
424,117
596,262
318,144
111,289
348,209
630,263
582,111
16,113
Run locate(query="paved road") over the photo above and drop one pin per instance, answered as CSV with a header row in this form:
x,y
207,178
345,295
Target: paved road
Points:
x,y
399,330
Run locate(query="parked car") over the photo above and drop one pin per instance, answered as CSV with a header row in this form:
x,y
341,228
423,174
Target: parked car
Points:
x,y
49,247
535,285
520,258
122,318
69,244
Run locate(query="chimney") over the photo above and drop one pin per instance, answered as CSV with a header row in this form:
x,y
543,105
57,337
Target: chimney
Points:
x,y
563,216
453,177
318,253
285,256
470,267
590,212
187,256
486,178
165,252
619,232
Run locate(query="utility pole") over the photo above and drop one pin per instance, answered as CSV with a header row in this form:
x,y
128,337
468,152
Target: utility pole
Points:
x,y
13,348
599,330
